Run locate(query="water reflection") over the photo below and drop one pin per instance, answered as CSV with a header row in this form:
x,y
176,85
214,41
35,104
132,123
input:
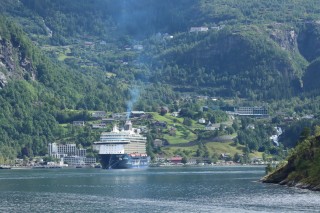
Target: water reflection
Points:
x,y
219,189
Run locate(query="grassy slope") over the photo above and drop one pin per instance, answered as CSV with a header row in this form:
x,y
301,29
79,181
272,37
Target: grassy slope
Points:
x,y
180,138
183,133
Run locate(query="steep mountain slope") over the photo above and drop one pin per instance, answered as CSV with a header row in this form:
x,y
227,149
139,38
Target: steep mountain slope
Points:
x,y
308,40
261,52
111,17
312,76
248,61
34,91
145,17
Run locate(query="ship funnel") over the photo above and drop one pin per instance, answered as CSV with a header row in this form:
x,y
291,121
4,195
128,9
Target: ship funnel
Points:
x,y
128,125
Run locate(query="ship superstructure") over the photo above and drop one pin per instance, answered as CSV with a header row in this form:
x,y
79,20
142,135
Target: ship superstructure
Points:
x,y
121,149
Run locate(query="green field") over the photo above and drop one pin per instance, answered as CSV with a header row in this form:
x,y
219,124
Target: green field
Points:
x,y
213,147
183,134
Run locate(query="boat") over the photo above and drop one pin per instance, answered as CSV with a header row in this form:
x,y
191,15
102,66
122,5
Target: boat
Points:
x,y
122,149
97,166
5,167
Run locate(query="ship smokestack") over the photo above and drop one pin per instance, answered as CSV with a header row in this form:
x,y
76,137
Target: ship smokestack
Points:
x,y
128,125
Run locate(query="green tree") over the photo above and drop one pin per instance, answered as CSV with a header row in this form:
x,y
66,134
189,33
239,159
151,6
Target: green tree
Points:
x,y
184,160
187,121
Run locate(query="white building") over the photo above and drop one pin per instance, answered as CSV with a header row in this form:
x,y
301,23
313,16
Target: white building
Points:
x,y
175,114
58,151
202,121
120,116
78,123
70,154
252,111
98,126
198,29
78,161
138,47
99,114
210,127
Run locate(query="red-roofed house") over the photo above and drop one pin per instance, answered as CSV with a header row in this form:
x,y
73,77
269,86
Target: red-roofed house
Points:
x,y
175,159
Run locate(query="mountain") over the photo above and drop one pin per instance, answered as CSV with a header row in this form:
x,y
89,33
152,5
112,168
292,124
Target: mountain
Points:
x,y
251,50
61,59
249,61
36,93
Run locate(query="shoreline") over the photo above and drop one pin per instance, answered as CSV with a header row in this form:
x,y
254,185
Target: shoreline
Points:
x,y
208,165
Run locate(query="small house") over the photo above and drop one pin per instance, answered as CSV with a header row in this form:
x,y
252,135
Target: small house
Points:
x,y
138,47
175,160
78,123
198,29
99,114
175,114
158,143
202,121
137,114
107,120
210,127
98,126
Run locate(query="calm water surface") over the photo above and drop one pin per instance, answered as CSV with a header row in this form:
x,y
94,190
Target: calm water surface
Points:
x,y
213,189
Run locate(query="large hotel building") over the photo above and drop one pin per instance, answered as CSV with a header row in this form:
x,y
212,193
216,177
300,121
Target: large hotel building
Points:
x,y
70,154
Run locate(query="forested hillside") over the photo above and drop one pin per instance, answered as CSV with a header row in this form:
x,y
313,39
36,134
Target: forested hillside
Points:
x,y
60,59
302,169
243,62
35,91
254,50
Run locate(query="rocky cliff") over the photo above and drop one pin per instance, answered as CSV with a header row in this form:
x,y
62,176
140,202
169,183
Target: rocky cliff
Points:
x,y
13,62
302,169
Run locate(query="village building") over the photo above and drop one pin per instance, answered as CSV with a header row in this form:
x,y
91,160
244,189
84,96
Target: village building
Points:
x,y
225,156
250,126
210,127
251,111
198,29
120,116
88,43
175,114
136,114
202,121
160,158
103,43
99,114
70,154
175,160
98,126
79,161
158,143
61,150
107,120
138,47
78,123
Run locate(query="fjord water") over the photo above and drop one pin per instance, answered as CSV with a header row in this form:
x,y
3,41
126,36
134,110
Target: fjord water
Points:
x,y
198,189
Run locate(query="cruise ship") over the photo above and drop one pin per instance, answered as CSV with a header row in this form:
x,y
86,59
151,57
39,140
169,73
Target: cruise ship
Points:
x,y
122,149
